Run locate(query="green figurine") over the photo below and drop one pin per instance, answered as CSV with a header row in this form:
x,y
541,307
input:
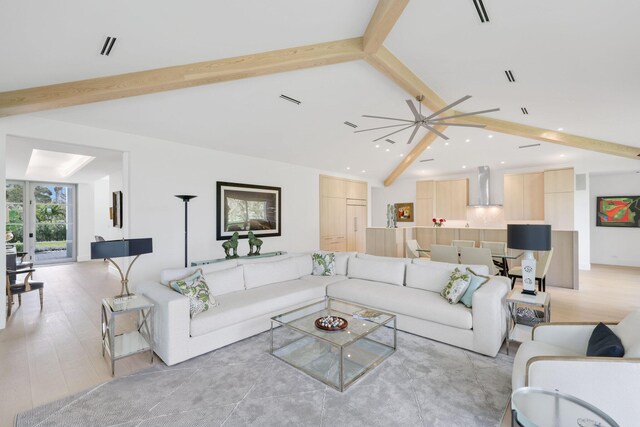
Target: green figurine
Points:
x,y
254,242
231,244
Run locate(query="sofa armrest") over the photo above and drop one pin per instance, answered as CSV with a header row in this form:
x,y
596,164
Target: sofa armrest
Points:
x,y
572,336
609,383
171,323
489,315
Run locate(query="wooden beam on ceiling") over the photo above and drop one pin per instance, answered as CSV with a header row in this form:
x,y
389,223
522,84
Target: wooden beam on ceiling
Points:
x,y
546,135
177,77
384,18
393,68
413,155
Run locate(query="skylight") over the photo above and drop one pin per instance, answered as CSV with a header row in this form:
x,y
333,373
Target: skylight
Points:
x,y
61,165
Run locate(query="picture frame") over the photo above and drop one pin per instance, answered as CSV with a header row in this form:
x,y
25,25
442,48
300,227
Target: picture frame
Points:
x,y
246,207
618,211
117,209
404,212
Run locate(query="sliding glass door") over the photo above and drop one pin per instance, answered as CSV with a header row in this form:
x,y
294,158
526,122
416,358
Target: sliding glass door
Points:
x,y
42,218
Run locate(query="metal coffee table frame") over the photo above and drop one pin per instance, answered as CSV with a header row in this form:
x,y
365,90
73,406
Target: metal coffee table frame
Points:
x,y
340,347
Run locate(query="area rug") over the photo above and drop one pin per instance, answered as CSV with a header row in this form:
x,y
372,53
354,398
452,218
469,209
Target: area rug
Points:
x,y
425,383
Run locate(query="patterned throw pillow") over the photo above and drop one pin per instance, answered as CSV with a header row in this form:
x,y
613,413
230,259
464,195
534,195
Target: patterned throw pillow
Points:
x,y
195,287
456,287
324,264
477,280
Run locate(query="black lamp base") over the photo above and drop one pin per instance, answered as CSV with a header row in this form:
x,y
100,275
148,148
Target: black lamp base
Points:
x,y
528,292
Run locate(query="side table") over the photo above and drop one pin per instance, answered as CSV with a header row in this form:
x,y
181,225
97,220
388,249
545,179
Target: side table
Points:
x,y
540,301
127,343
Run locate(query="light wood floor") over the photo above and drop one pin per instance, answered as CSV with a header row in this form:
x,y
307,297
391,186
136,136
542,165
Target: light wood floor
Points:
x,y
51,354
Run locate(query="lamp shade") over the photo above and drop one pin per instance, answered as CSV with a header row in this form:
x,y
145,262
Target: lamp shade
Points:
x,y
121,248
529,237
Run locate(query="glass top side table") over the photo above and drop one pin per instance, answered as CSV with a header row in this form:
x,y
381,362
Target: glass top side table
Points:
x,y
538,407
127,343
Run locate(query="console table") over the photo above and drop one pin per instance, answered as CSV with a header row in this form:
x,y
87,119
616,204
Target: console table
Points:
x,y
213,261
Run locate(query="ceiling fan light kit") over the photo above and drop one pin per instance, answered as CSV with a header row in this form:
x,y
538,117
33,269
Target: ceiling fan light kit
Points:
x,y
427,122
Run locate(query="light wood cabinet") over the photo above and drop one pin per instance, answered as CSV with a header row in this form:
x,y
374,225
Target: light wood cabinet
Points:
x,y
524,196
559,181
386,242
559,187
424,202
452,199
424,189
343,214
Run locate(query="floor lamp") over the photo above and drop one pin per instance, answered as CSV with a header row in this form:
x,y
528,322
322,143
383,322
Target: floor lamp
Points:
x,y
529,237
185,198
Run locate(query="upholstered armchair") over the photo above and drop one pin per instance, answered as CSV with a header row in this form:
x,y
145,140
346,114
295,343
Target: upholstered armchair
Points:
x,y
556,359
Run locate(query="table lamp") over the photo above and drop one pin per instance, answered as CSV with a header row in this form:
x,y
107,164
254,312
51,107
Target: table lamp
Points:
x,y
109,249
529,237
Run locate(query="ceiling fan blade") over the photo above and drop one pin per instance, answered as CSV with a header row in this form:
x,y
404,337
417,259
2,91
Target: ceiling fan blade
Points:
x,y
388,118
413,134
459,124
453,104
441,135
381,127
392,133
473,113
413,110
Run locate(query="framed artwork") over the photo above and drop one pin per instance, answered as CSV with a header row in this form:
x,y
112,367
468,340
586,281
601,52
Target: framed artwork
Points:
x,y
117,209
618,211
243,207
404,212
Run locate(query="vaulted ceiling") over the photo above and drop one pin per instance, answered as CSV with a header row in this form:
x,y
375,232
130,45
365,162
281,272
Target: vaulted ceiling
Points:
x,y
574,66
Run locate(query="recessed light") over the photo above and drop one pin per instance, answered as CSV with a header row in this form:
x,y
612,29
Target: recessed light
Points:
x,y
560,129
401,154
363,171
377,145
464,166
490,136
446,143
348,168
561,155
386,149
502,162
467,140
429,148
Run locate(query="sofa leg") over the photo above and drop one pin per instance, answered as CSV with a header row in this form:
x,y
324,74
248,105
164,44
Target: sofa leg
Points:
x,y
41,297
19,299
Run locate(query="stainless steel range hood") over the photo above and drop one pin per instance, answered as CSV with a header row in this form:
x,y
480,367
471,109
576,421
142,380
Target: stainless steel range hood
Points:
x,y
484,192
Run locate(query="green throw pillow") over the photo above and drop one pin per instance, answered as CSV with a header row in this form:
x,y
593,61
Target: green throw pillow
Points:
x,y
195,287
324,264
476,281
456,286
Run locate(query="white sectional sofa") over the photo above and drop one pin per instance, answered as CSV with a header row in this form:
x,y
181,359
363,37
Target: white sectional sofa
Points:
x,y
250,292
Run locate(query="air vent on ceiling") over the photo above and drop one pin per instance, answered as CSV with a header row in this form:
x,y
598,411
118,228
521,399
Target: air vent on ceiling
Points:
x,y
390,141
288,98
524,110
529,146
108,45
351,124
482,12
427,160
509,75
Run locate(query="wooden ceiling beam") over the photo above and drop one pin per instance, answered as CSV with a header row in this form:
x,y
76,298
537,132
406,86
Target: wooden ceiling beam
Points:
x,y
385,62
413,155
546,135
177,77
384,18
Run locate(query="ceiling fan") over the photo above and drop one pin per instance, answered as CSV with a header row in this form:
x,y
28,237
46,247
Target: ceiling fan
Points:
x,y
427,122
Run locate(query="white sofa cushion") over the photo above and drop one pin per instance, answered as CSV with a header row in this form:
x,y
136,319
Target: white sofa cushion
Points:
x,y
304,264
324,280
433,276
170,274
627,331
383,258
244,261
225,281
368,269
342,262
237,307
408,301
265,273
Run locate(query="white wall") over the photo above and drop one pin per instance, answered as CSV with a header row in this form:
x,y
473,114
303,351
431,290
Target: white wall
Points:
x,y
582,224
85,218
101,205
156,170
609,245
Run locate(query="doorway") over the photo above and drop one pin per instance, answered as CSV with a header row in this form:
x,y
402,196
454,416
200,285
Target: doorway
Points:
x,y
42,219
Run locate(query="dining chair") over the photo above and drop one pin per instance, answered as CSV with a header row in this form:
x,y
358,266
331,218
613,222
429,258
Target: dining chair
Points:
x,y
444,253
15,287
413,250
463,244
542,267
498,249
478,256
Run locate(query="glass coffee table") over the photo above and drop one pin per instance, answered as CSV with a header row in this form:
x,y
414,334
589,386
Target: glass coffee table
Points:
x,y
337,358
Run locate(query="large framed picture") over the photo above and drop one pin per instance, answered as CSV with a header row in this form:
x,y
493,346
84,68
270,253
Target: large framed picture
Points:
x,y
618,211
243,208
